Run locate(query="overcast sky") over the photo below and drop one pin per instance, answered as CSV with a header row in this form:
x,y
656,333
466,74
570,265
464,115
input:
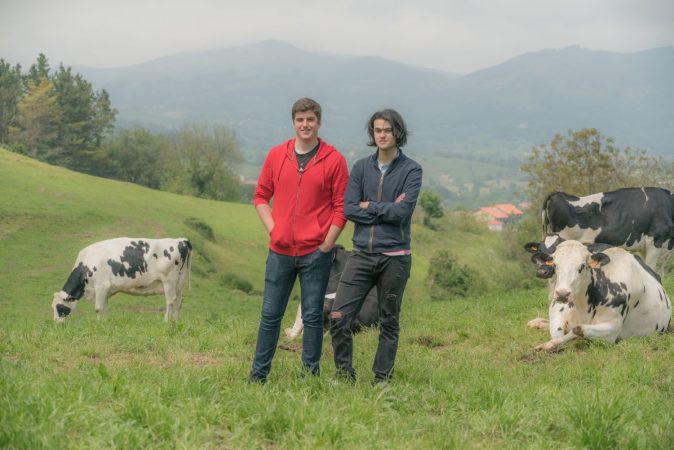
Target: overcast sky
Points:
x,y
453,35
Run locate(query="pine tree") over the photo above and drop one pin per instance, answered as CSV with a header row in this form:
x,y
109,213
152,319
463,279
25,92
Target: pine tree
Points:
x,y
10,92
35,130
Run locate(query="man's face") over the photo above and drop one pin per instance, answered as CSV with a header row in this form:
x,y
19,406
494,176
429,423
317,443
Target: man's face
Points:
x,y
306,125
383,135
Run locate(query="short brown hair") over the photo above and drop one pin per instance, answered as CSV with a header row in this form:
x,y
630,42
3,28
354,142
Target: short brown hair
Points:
x,y
306,104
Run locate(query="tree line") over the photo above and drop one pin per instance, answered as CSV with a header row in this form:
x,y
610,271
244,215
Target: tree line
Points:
x,y
57,117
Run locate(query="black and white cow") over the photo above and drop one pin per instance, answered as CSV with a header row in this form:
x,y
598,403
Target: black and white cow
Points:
x,y
608,295
636,219
368,314
135,266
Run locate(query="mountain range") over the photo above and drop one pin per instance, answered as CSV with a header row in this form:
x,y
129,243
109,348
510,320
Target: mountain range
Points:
x,y
498,113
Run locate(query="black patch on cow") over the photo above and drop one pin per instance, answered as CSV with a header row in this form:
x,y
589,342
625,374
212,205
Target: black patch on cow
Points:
x,y
598,247
167,254
184,248
77,281
133,256
95,269
63,310
603,292
623,215
647,269
155,256
171,249
636,304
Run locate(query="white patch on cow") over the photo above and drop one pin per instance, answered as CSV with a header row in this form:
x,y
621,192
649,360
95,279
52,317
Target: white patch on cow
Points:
x,y
331,296
594,198
298,326
576,233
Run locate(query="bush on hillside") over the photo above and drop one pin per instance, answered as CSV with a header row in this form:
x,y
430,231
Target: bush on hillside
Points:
x,y
233,281
466,221
200,227
447,278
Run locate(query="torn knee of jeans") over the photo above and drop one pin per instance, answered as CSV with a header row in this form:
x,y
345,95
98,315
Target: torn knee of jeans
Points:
x,y
336,315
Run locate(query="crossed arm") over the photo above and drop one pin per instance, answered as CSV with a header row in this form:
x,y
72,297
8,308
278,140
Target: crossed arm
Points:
x,y
373,212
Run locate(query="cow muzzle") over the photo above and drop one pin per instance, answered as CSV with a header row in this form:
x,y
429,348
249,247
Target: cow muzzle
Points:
x,y
562,296
545,272
62,311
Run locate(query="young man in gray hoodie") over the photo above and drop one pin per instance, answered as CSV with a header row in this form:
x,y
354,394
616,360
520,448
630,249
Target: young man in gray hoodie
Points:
x,y
380,198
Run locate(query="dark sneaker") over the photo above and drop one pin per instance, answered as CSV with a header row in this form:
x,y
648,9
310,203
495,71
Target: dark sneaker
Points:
x,y
254,379
348,376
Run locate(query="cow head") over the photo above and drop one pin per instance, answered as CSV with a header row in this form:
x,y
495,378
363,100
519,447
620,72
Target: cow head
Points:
x,y
572,263
62,305
545,269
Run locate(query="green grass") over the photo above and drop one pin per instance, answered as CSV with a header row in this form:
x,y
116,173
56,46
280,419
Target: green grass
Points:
x,y
465,376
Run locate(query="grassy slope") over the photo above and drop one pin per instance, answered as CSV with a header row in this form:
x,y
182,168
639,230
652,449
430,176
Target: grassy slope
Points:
x,y
464,378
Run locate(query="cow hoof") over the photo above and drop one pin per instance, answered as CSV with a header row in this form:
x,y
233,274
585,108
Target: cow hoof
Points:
x,y
539,323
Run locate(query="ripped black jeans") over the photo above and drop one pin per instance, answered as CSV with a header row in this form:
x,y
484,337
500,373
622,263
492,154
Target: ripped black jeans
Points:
x,y
362,271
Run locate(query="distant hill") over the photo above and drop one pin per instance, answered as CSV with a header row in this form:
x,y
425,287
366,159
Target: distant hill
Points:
x,y
499,112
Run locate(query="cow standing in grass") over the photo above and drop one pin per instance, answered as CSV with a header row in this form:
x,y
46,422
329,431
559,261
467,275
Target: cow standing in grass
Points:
x,y
608,295
636,219
135,266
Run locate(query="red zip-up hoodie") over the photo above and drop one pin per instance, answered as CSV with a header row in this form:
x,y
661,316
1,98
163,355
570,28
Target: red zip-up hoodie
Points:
x,y
305,204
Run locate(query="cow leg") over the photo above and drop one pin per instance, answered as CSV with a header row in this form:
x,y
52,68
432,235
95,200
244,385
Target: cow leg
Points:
x,y
173,300
605,330
651,257
101,302
539,323
298,326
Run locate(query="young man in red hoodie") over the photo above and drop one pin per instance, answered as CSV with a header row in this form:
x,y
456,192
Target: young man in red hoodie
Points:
x,y
306,177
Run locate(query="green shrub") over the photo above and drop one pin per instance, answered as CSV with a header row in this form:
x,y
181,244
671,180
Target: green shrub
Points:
x,y
233,281
200,227
447,278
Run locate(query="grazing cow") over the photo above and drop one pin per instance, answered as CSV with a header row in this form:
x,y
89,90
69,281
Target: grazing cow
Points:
x,y
608,295
368,314
636,219
135,266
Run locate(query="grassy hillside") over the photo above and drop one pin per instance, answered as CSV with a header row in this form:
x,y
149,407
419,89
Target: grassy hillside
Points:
x,y
465,377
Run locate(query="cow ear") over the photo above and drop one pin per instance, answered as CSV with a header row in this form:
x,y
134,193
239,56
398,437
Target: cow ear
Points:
x,y
597,260
542,259
532,247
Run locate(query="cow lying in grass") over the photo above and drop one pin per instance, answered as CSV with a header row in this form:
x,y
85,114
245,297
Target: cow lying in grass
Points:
x,y
609,294
368,314
135,266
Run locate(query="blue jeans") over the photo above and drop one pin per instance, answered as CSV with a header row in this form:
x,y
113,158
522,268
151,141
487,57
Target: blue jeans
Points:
x,y
280,275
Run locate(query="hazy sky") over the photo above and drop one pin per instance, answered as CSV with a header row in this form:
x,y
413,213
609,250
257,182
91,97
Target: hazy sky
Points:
x,y
453,35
